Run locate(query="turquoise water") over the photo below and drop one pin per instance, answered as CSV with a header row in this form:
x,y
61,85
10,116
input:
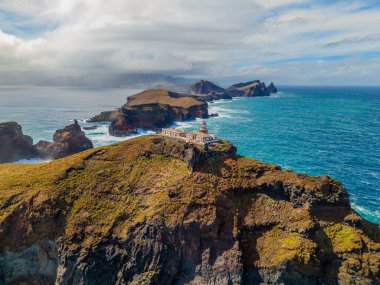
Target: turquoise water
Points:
x,y
334,131
43,110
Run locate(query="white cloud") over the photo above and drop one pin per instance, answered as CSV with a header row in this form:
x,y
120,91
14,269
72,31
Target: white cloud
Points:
x,y
218,38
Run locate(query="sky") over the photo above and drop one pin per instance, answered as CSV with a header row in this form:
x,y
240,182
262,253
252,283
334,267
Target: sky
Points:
x,y
290,42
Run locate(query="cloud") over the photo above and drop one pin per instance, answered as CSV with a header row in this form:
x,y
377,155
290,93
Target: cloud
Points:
x,y
216,39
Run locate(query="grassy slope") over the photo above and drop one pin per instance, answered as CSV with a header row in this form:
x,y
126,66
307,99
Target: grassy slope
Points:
x,y
86,197
162,96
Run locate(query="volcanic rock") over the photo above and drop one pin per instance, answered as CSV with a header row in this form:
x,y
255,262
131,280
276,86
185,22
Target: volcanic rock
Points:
x,y
153,109
67,141
272,88
253,88
157,210
14,145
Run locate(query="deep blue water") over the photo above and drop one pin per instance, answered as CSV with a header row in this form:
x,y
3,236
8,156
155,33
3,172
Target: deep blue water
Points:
x,y
314,130
334,131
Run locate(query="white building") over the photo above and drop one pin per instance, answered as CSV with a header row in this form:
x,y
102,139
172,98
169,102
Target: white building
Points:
x,y
175,133
201,137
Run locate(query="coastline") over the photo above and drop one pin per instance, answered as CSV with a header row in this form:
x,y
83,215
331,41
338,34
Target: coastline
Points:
x,y
328,138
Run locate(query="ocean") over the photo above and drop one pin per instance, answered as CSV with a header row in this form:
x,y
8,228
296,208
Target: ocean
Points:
x,y
312,130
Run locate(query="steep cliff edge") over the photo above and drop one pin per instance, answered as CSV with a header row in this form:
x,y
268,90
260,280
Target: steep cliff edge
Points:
x,y
154,210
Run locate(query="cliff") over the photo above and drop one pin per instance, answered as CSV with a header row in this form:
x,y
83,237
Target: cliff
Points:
x,y
155,210
254,88
152,109
208,91
14,145
272,88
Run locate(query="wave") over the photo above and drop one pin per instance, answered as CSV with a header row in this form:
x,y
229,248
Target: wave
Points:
x,y
374,214
101,137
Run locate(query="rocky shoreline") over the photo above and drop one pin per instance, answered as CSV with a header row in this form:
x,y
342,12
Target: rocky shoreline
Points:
x,y
156,108
14,145
151,110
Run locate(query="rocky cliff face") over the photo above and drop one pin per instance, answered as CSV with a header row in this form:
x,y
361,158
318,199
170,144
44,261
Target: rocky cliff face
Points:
x,y
154,210
14,145
153,109
209,91
66,141
272,88
106,116
253,88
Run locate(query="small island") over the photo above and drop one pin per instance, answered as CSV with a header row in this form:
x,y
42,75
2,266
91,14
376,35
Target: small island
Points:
x,y
159,108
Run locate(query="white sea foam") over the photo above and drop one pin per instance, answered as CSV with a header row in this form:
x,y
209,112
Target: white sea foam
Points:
x,y
365,212
100,136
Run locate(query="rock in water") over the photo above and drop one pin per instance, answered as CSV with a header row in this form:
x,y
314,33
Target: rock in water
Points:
x,y
207,91
67,141
254,88
205,87
152,109
14,145
156,210
272,88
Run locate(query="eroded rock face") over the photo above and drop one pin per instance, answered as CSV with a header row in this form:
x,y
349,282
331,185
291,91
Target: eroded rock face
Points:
x,y
272,88
253,88
67,141
154,210
106,116
14,145
205,87
33,265
153,109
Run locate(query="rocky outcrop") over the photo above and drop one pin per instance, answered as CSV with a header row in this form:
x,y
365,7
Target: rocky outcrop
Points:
x,y
157,108
253,88
272,88
106,116
153,109
156,210
208,91
33,265
67,141
14,145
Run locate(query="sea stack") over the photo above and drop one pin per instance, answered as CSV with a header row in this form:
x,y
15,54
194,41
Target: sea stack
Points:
x,y
272,88
66,141
205,87
14,145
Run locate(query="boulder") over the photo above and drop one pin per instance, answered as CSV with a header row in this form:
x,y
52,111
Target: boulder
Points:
x,y
14,145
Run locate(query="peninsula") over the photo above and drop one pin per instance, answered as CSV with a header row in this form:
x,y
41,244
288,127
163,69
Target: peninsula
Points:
x,y
160,210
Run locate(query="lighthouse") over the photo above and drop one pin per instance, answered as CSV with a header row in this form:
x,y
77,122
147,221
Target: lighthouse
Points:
x,y
203,128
